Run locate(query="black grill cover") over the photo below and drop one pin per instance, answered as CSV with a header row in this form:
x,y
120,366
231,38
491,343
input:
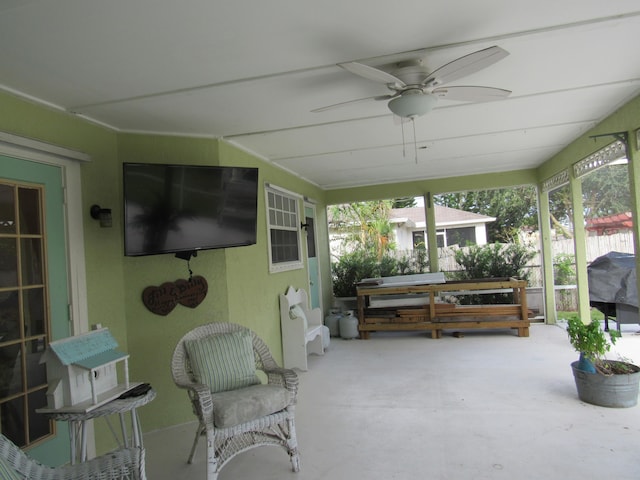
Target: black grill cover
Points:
x,y
612,279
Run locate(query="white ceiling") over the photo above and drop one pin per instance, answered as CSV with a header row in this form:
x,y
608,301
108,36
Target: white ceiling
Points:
x,y
251,71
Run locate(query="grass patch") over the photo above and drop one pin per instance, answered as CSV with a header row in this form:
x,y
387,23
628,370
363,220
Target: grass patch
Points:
x,y
595,315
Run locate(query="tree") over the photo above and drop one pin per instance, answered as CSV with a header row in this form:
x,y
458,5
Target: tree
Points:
x,y
404,202
561,210
367,234
513,209
365,225
606,191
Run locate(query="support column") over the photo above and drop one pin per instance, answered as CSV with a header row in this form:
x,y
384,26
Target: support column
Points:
x,y
432,237
633,157
580,247
546,253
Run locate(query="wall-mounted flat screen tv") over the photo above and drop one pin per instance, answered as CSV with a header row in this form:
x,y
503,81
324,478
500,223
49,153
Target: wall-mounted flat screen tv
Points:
x,y
183,208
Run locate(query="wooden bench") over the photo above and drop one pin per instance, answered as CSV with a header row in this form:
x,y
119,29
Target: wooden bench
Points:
x,y
425,310
302,329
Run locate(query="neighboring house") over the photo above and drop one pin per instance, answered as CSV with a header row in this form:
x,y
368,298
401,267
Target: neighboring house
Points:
x,y
453,227
618,223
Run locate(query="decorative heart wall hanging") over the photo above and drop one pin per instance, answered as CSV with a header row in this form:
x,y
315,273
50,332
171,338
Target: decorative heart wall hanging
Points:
x,y
163,299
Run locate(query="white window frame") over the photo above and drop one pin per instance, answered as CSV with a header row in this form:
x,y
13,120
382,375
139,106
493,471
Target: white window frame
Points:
x,y
278,219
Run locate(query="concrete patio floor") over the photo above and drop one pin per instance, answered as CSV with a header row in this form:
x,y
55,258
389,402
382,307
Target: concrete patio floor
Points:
x,y
489,405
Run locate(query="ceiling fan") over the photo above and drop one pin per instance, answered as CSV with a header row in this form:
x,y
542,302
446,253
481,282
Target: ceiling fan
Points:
x,y
415,90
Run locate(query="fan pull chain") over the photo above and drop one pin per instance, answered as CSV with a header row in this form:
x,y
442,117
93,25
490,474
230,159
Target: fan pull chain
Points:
x,y
415,139
404,151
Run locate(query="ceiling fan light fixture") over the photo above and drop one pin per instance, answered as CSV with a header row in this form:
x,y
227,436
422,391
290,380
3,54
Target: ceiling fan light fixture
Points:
x,y
412,104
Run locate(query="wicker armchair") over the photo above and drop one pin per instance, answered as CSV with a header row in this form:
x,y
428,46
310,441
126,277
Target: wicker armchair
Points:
x,y
124,464
225,440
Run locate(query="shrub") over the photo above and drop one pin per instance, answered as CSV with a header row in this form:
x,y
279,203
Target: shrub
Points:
x,y
352,267
564,272
492,261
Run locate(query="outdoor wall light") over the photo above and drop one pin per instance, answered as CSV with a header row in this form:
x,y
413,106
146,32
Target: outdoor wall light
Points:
x,y
102,214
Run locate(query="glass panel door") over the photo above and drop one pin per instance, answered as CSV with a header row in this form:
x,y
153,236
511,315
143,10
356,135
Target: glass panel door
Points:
x,y
34,300
23,314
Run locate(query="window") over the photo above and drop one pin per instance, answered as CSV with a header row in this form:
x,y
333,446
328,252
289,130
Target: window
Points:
x,y
462,236
24,323
284,230
419,240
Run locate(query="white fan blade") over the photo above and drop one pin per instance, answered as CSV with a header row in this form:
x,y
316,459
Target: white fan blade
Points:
x,y
471,94
342,104
466,65
372,73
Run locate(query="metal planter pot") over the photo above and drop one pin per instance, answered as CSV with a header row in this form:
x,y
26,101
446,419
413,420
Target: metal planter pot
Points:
x,y
618,391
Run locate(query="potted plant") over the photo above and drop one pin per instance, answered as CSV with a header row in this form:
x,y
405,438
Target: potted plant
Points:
x,y
603,382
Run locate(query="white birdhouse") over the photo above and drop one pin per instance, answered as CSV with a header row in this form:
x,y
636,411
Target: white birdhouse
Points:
x,y
82,371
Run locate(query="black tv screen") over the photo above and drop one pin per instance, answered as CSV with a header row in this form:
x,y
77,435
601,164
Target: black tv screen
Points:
x,y
183,208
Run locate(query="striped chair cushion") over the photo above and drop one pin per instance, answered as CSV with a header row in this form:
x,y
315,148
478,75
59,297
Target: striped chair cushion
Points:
x,y
224,362
7,472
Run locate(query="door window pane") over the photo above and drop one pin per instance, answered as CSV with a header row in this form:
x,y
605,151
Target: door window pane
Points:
x,y
9,315
7,209
12,420
31,261
33,305
36,371
311,237
10,370
39,425
29,208
8,262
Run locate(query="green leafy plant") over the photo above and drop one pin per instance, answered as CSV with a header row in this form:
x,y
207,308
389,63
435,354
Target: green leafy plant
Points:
x,y
353,266
564,272
494,260
591,341
414,262
349,269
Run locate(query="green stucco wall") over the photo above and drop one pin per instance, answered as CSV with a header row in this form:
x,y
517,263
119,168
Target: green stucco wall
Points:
x,y
240,286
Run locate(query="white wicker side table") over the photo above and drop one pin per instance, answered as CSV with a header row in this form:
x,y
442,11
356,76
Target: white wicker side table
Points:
x,y
78,423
